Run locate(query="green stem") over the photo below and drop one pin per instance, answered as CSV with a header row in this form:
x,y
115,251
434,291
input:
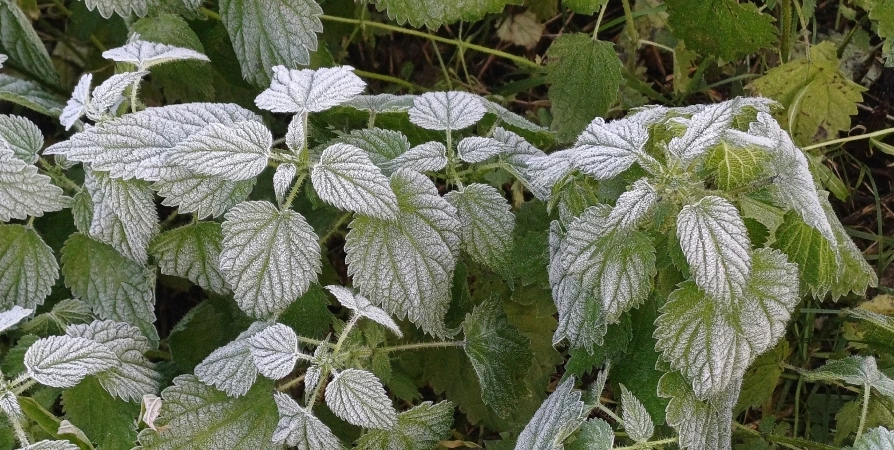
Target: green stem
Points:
x,y
785,25
451,161
420,345
599,20
796,443
649,444
292,383
325,373
292,193
310,341
864,411
850,139
390,79
335,227
610,413
55,172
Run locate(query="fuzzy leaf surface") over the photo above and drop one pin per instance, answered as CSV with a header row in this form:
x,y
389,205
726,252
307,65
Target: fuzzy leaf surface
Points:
x,y
30,95
22,136
364,308
420,428
637,421
231,368
282,180
204,195
25,192
701,425
723,28
21,43
875,439
144,54
76,107
556,419
28,268
192,252
110,92
303,91
434,13
275,351
347,179
124,214
450,110
234,152
427,157
358,397
487,223
297,427
856,370
63,361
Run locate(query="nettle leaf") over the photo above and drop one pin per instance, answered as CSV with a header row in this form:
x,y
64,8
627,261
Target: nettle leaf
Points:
x,y
723,28
267,34
231,368
499,355
296,134
427,157
347,179
510,118
420,428
487,223
559,416
51,445
23,46
716,245
303,91
703,131
192,252
136,145
579,64
124,214
108,94
123,8
357,397
3,59
116,288
76,106
22,136
594,434
12,316
701,425
234,152
144,54
634,205
269,257
856,275
856,370
605,150
736,166
450,110
475,149
55,321
875,439
204,195
28,268
382,103
364,308
63,361
637,421
380,145
407,264
297,427
9,405
275,351
30,95
194,415
282,180
434,13
25,192
133,375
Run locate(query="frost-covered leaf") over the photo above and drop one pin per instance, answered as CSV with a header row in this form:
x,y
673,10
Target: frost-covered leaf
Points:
x,y
51,445
23,45
346,178
475,149
487,223
267,34
108,94
133,375
604,150
66,312
427,157
192,252
716,245
296,134
269,257
381,145
701,425
144,54
11,317
197,416
9,405
235,152
123,8
231,368
124,214
450,110
282,180
357,397
634,205
855,275
25,192
303,91
510,118
30,95
22,136
28,268
275,351
875,439
382,103
76,107
434,13
856,370
499,355
704,130
63,361
136,145
203,195
116,288
556,419
363,307
407,263
3,59
297,427
637,421
420,428
771,296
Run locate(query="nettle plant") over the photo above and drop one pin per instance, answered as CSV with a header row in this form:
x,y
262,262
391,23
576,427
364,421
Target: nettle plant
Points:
x,y
710,211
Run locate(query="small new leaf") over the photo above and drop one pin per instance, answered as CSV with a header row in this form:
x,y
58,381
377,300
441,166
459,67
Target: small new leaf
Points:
x,y
487,223
637,421
420,428
556,419
63,361
13,316
364,308
145,54
76,106
282,180
358,397
108,94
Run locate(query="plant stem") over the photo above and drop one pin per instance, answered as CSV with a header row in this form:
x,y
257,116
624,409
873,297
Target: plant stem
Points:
x,y
864,411
785,24
599,20
849,139
292,383
649,444
390,79
21,436
335,227
310,341
610,413
56,174
325,373
292,193
451,161
420,345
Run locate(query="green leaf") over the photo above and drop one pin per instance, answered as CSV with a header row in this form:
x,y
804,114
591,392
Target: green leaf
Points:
x,y
856,370
735,166
882,12
194,415
115,287
107,421
762,377
487,223
192,252
208,326
25,192
637,422
381,145
559,416
701,425
297,427
22,136
66,312
358,397
21,43
420,428
434,13
267,34
499,354
231,367
579,64
28,268
584,6
407,264
724,28
856,273
875,439
29,95
818,98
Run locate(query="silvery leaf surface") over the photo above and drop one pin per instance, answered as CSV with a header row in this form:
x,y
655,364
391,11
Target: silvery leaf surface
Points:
x,y
25,192
363,307
487,223
357,397
110,93
347,179
427,157
282,180
192,252
63,361
145,54
556,419
275,351
124,214
11,317
21,136
302,91
204,195
234,152
28,268
450,110
76,106
231,368
299,428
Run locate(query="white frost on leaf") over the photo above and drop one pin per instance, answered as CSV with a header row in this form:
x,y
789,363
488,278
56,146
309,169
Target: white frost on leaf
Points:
x,y
703,131
77,104
637,421
382,103
269,257
63,361
450,110
22,136
879,438
192,252
357,397
700,424
282,180
604,150
363,307
51,445
299,428
510,118
231,368
124,214
275,351
634,205
123,8
303,91
145,54
475,149
203,195
426,157
13,316
28,268
110,93
347,179
419,428
234,152
3,59
25,192
487,223
556,419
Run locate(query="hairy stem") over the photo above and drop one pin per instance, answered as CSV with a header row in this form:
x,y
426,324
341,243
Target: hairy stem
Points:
x,y
335,227
849,139
420,345
293,192
863,411
292,383
785,31
649,444
335,351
